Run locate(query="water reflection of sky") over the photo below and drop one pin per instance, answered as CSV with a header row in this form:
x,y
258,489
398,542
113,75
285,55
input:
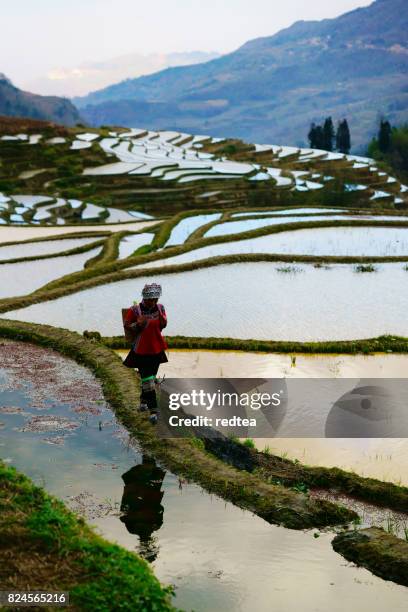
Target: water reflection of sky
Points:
x,y
248,300
218,556
27,276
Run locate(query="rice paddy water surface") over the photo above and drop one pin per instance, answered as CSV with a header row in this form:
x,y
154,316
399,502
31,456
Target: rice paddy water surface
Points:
x,y
253,300
385,459
27,276
60,432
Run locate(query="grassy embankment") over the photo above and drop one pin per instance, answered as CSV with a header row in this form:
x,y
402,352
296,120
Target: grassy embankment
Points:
x,y
382,344
373,548
45,547
272,468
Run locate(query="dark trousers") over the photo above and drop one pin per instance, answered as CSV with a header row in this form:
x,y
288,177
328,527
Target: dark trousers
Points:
x,y
148,394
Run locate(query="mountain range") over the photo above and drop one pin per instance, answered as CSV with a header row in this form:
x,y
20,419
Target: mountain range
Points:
x,y
272,88
88,76
17,103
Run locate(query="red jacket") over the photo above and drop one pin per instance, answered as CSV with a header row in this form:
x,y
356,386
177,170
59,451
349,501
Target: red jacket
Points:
x,y
149,340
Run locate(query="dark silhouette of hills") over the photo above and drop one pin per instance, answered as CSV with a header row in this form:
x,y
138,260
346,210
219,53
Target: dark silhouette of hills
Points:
x,y
17,103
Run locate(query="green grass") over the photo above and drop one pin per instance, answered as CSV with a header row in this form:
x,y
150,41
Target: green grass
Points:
x,y
249,443
365,268
288,269
381,344
68,554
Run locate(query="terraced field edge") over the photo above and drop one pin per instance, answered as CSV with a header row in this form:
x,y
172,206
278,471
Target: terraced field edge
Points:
x,y
44,546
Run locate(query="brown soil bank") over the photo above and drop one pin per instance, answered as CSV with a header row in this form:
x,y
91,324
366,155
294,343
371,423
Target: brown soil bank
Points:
x,y
381,553
274,503
16,125
292,473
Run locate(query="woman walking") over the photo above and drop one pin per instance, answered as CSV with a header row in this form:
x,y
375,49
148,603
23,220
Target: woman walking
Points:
x,y
145,321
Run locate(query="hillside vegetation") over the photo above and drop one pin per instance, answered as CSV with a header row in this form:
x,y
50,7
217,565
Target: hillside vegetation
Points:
x,y
17,103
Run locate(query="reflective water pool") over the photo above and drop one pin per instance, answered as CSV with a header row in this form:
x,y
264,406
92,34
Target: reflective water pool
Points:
x,y
246,225
15,234
248,300
59,431
130,244
288,211
31,249
377,458
187,226
27,276
356,241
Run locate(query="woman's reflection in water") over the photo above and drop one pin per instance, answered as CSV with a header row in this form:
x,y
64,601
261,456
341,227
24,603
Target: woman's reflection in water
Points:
x,y
141,504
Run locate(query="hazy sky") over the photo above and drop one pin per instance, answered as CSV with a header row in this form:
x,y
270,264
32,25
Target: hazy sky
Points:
x,y
38,36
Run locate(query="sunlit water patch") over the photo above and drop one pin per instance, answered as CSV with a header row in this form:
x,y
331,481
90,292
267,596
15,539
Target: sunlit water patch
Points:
x,y
385,459
48,247
346,241
376,458
245,225
27,276
15,234
130,244
218,556
187,226
192,363
248,300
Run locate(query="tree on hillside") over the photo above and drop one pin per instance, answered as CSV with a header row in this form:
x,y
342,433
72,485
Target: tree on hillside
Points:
x,y
384,136
328,134
319,136
396,156
312,136
343,140
316,136
324,137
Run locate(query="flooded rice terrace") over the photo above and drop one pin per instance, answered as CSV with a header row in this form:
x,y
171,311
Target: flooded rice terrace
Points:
x,y
15,233
47,247
27,276
385,459
322,241
244,225
248,300
57,428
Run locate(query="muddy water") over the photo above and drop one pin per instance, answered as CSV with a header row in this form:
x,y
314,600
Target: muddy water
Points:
x,y
218,364
386,459
58,430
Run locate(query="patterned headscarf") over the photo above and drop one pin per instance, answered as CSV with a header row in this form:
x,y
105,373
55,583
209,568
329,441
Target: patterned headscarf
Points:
x,y
152,291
